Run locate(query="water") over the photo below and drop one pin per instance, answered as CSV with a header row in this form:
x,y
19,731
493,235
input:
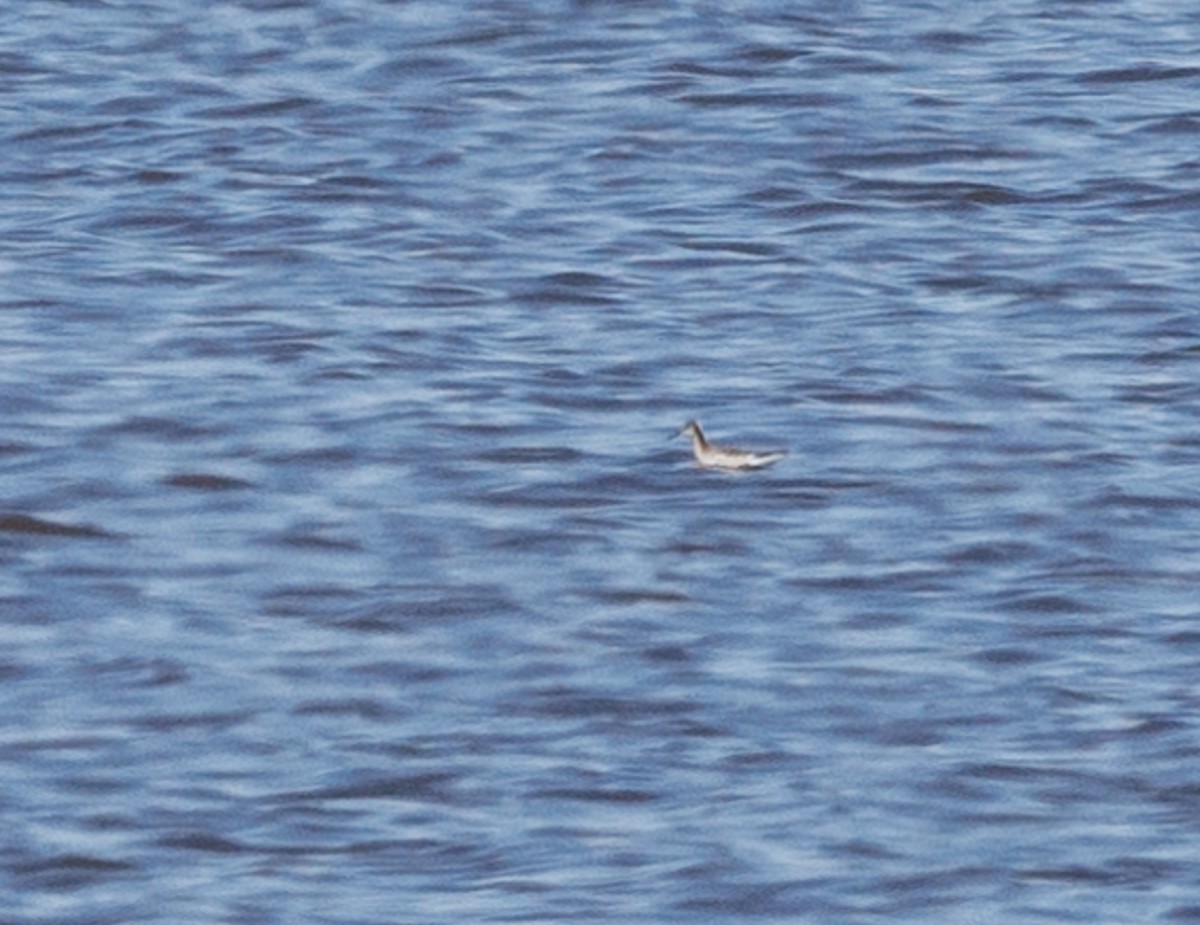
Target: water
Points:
x,y
349,576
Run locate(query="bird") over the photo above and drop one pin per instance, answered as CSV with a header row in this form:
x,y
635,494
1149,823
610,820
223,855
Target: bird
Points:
x,y
710,456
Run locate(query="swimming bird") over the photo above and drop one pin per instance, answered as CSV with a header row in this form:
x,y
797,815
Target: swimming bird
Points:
x,y
711,456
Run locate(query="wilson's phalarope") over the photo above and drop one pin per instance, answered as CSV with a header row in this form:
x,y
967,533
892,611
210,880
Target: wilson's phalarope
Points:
x,y
711,456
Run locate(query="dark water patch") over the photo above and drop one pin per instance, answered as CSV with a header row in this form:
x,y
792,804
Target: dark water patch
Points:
x,y
768,54
570,703
920,157
378,618
998,553
28,525
341,374
531,455
982,194
912,580
549,541
36,304
1185,797
67,872
1007,657
626,484
761,99
1178,125
1123,500
476,35
1120,189
187,722
1047,603
321,457
567,289
876,621
947,195
159,220
807,211
900,734
560,375
596,795
708,546
1157,393
87,744
1144,73
953,431
289,346
142,672
19,64
206,481
405,787
549,296
1186,201
159,177
709,69
314,537
868,395
257,110
173,430
837,484
1169,357
458,603
836,66
444,295
790,898
934,883
798,494
12,671
308,600
352,181
630,596
1019,773
1075,875
357,708
709,261
405,607
277,256
1158,725
401,672
776,194
481,431
202,843
63,132
861,848
577,279
1064,121
628,375
1068,630
161,279
135,105
951,39
745,248
664,655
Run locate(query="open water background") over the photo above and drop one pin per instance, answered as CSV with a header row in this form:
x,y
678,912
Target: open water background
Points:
x,y
347,574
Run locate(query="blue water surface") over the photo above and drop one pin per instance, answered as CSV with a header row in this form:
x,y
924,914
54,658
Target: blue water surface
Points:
x,y
348,574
